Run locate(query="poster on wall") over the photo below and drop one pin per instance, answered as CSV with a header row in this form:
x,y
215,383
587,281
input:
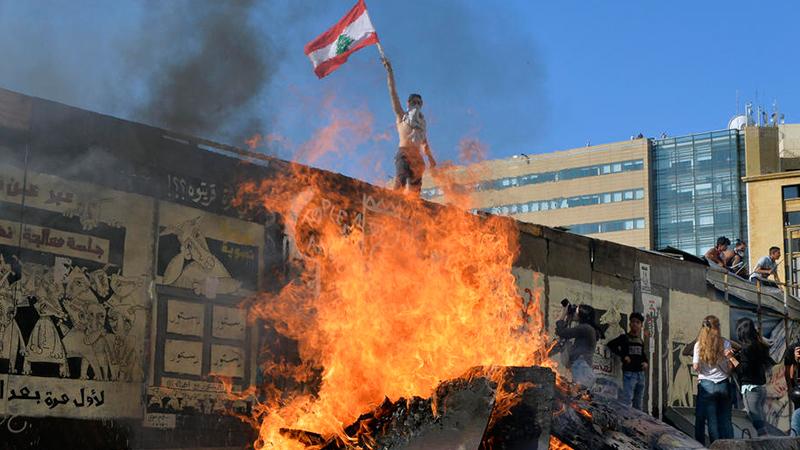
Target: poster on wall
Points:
x,y
73,297
207,265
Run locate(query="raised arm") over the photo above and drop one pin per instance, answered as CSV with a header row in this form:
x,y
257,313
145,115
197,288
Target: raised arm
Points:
x,y
396,105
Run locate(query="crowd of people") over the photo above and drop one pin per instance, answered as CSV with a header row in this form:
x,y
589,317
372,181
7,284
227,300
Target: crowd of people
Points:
x,y
728,371
732,258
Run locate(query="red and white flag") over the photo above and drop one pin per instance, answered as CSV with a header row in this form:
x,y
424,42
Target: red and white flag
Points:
x,y
332,48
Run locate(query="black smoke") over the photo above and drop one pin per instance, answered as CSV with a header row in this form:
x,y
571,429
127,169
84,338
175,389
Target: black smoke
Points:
x,y
216,65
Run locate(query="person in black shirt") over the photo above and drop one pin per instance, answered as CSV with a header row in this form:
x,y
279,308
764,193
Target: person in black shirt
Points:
x,y
791,362
754,361
630,347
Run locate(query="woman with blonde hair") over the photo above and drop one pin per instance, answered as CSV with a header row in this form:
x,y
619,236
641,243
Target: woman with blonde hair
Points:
x,y
713,361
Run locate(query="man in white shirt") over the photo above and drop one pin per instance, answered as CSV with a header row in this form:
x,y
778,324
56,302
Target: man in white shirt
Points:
x,y
767,266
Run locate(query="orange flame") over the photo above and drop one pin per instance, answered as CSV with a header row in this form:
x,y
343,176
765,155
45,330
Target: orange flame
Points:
x,y
393,296
556,444
253,141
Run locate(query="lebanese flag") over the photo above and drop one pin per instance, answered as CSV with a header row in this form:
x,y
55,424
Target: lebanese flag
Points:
x,y
332,48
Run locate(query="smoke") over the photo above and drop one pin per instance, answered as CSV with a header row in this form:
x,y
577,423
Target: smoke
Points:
x,y
197,67
225,70
216,64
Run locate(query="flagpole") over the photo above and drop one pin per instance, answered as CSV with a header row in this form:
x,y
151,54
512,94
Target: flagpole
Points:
x,y
380,49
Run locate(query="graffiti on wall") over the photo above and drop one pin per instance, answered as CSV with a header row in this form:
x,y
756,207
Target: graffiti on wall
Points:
x,y
72,307
207,265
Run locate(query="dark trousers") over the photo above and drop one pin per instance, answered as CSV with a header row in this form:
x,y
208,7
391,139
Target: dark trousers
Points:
x,y
714,406
409,167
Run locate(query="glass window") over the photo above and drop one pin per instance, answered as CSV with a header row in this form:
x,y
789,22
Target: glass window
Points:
x,y
616,167
524,207
640,224
607,198
791,192
606,169
639,194
513,209
505,182
706,220
617,196
544,206
628,195
504,209
792,218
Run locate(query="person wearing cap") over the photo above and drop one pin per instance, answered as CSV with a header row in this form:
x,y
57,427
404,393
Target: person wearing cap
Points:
x,y
412,130
630,348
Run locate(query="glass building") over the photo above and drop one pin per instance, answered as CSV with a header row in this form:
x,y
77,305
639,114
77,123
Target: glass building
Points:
x,y
697,190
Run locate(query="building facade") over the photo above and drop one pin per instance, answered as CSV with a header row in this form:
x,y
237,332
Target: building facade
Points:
x,y
697,190
681,192
773,192
600,191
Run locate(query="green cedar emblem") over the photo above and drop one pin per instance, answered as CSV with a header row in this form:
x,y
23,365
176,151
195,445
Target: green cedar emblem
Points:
x,y
343,43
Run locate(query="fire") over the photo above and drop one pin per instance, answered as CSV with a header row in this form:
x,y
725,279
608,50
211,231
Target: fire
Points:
x,y
556,444
253,141
391,296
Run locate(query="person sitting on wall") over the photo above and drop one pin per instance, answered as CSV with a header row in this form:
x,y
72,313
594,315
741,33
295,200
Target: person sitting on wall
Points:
x,y
716,254
734,258
767,266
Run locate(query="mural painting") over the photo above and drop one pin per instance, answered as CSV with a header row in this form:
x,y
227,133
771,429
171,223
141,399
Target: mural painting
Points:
x,y
207,265
73,298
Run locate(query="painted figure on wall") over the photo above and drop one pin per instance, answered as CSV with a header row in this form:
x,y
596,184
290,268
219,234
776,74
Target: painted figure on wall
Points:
x,y
607,366
11,341
195,267
681,392
66,315
44,343
121,348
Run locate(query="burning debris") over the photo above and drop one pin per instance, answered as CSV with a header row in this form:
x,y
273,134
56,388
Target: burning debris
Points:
x,y
388,297
496,408
392,296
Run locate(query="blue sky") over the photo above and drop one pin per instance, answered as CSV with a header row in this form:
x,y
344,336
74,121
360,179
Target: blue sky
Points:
x,y
518,76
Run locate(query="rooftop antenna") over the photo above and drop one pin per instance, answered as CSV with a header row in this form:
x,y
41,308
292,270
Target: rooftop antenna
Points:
x,y
775,114
749,113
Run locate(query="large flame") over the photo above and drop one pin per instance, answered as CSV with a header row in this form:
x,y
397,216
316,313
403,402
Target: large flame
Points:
x,y
389,296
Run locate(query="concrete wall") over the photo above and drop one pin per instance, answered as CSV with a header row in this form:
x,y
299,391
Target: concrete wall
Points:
x,y
609,276
789,143
761,144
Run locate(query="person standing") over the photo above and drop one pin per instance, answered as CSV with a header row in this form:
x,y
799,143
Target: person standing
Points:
x,y
584,337
711,361
754,362
791,363
412,129
630,348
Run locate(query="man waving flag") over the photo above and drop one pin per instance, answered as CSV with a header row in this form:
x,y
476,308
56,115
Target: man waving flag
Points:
x,y
332,48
